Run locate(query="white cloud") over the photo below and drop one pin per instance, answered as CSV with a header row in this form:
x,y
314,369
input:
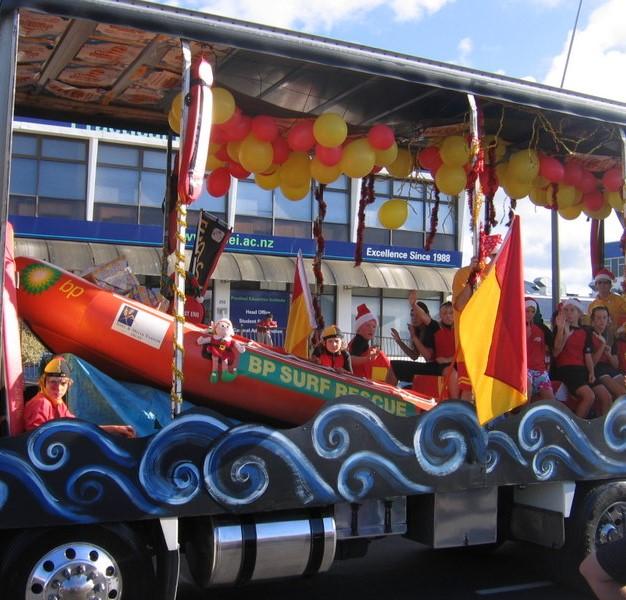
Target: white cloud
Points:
x,y
465,48
598,59
318,16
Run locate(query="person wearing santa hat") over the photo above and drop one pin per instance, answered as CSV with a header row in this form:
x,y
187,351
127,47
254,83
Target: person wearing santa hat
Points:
x,y
573,361
537,355
367,360
616,303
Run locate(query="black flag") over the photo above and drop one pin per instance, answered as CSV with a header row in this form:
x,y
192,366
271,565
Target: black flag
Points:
x,y
211,238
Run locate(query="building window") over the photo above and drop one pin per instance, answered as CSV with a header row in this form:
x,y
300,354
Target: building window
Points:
x,y
414,231
130,184
48,177
337,220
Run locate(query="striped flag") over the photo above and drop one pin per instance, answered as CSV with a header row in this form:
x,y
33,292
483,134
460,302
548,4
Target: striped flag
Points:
x,y
301,321
493,333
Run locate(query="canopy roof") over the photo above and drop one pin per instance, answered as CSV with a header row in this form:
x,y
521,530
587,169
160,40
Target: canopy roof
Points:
x,y
77,62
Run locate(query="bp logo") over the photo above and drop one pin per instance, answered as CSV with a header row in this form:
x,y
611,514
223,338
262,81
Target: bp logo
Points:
x,y
35,279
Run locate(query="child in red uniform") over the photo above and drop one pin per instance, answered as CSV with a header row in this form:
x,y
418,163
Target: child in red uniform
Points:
x,y
330,353
574,362
445,349
605,356
537,356
367,360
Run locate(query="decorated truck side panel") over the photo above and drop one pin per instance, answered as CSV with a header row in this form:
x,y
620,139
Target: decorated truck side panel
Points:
x,y
99,516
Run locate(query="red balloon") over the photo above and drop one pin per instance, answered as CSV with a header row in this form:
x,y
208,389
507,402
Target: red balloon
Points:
x,y
236,170
222,154
237,127
328,156
218,182
551,168
381,137
488,183
375,170
281,150
588,183
218,135
573,173
612,180
264,128
593,200
300,137
429,158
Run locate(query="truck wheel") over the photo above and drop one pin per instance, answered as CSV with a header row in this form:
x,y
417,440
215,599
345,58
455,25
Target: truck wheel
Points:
x,y
598,516
86,563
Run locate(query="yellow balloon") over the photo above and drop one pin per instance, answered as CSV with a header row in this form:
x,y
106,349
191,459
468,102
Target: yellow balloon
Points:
x,y
176,108
393,213
296,170
296,193
358,158
385,157
254,155
539,196
232,149
450,180
173,121
223,105
324,174
601,213
454,151
330,130
571,212
516,189
403,165
565,196
212,163
540,182
614,200
524,165
267,181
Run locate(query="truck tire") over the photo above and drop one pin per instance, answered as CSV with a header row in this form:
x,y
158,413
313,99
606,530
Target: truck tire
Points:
x,y
90,562
598,516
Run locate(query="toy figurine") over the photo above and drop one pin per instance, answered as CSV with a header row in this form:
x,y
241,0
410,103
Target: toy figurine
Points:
x,y
220,346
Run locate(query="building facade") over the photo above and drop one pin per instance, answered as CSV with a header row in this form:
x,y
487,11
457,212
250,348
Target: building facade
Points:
x,y
81,196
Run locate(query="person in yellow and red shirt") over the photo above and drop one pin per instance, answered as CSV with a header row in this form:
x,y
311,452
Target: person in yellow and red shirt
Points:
x,y
367,360
48,403
616,303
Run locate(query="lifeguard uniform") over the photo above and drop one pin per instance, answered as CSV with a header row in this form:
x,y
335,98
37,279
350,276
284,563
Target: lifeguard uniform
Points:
x,y
40,409
334,360
570,365
445,345
376,369
536,360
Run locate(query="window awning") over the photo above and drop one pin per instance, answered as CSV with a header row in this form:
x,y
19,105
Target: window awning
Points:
x,y
143,260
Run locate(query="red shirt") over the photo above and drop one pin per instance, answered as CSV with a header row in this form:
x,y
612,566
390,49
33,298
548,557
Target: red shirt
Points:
x,y
536,348
444,343
40,409
574,350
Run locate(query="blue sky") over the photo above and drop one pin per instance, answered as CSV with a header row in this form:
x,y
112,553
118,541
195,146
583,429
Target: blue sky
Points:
x,y
519,38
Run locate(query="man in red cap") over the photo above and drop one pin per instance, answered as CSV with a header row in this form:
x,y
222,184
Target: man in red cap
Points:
x,y
616,303
367,360
48,403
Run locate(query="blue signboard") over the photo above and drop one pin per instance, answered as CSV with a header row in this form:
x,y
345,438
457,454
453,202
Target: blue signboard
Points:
x,y
248,307
245,243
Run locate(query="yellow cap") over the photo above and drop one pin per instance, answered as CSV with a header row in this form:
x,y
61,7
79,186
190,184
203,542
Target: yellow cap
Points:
x,y
331,331
57,366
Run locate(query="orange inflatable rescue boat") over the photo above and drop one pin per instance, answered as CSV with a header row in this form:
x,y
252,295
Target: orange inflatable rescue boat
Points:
x,y
133,342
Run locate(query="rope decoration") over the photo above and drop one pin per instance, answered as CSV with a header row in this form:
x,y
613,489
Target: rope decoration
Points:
x,y
320,244
434,220
367,197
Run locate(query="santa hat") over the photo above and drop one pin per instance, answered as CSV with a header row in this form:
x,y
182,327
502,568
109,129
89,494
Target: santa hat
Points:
x,y
573,302
363,315
604,275
531,303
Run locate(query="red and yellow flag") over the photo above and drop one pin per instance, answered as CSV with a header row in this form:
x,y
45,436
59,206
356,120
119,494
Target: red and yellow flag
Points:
x,y
492,331
301,321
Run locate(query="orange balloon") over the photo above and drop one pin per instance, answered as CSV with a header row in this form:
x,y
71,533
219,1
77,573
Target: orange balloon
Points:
x,y
450,180
323,173
393,213
358,158
296,170
403,165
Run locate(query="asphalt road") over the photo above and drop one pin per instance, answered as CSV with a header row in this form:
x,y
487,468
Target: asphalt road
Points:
x,y
399,569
